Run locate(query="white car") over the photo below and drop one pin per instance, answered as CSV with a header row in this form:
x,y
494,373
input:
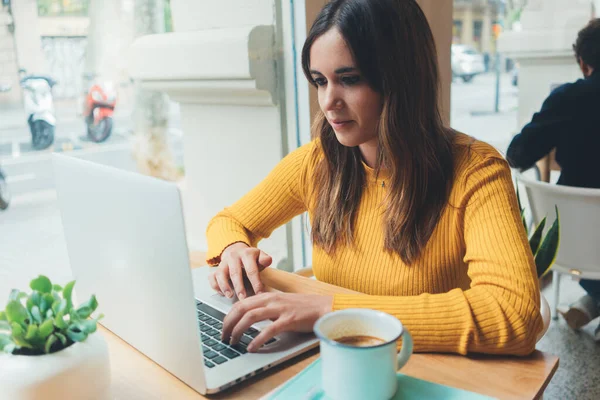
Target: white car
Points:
x,y
466,62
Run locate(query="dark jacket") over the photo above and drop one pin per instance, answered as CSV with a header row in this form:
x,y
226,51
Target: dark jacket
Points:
x,y
570,122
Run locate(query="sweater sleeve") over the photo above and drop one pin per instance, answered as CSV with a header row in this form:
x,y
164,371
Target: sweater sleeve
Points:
x,y
499,313
272,203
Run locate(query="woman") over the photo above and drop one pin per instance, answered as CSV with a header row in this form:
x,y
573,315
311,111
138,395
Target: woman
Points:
x,y
422,219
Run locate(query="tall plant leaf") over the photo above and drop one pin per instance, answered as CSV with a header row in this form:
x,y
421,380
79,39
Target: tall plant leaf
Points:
x,y
546,254
522,211
536,238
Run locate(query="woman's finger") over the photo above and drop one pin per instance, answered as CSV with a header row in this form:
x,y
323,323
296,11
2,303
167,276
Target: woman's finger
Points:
x,y
264,260
212,281
239,309
250,318
222,276
267,333
252,271
236,274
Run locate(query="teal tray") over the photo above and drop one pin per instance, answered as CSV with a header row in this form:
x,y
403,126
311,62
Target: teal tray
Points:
x,y
307,386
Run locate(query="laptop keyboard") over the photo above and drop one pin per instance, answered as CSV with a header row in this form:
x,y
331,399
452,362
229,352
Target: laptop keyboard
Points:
x,y
216,352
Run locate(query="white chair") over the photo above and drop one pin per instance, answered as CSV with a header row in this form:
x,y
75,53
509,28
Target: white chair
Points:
x,y
579,210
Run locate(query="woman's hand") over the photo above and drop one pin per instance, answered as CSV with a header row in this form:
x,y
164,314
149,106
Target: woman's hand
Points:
x,y
237,259
288,311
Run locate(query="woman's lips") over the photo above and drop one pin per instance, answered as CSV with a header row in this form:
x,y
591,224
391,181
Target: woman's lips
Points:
x,y
339,124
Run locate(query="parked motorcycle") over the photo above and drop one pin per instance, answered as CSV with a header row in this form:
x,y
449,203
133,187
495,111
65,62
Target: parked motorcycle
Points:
x,y
39,108
99,109
4,193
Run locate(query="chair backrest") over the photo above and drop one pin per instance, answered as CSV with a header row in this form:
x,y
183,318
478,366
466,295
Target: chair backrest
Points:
x,y
579,210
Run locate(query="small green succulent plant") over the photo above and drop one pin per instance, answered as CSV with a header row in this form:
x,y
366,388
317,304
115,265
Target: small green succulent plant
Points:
x,y
45,321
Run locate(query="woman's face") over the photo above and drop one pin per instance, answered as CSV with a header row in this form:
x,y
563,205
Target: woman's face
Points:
x,y
350,105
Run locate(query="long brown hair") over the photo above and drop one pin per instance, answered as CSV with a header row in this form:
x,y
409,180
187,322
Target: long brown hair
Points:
x,y
393,47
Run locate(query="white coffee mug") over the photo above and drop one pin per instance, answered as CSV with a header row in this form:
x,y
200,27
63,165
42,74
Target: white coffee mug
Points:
x,y
350,372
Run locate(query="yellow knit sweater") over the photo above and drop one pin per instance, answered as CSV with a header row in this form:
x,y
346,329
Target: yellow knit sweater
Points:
x,y
474,287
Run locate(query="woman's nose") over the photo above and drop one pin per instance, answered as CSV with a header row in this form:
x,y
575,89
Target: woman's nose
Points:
x,y
332,100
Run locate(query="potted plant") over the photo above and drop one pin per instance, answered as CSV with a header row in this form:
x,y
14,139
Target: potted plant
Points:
x,y
47,346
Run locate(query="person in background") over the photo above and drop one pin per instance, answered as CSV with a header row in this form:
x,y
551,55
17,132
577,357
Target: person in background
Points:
x,y
421,219
569,121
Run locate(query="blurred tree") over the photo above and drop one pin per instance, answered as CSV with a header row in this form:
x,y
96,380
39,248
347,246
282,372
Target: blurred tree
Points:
x,y
151,114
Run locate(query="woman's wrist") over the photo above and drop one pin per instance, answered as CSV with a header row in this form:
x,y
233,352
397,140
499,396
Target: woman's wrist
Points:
x,y
233,247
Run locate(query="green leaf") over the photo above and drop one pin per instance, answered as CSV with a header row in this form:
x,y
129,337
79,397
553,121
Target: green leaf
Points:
x,y
76,334
4,326
536,238
36,314
16,294
84,312
33,300
89,326
522,211
49,314
57,288
18,336
546,254
59,322
61,337
59,306
46,328
92,304
46,303
16,312
6,343
3,316
32,332
49,342
73,316
17,330
42,284
67,293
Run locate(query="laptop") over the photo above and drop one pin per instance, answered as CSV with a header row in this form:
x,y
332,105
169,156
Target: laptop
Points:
x,y
125,236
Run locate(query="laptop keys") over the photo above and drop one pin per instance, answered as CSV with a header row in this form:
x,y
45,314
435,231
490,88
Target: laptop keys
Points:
x,y
219,360
239,347
245,339
219,346
210,311
229,353
215,351
210,354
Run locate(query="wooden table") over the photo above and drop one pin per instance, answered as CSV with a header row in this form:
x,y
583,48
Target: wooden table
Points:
x,y
134,376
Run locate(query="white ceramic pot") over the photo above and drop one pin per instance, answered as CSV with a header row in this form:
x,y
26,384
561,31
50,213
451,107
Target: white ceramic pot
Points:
x,y
81,371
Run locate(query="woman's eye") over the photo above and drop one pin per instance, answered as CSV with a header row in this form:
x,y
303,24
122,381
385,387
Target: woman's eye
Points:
x,y
350,80
320,81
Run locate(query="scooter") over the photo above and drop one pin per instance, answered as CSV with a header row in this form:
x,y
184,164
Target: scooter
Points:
x,y
39,108
100,105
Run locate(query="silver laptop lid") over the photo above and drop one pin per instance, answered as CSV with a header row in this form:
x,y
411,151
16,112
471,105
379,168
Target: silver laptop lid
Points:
x,y
125,236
